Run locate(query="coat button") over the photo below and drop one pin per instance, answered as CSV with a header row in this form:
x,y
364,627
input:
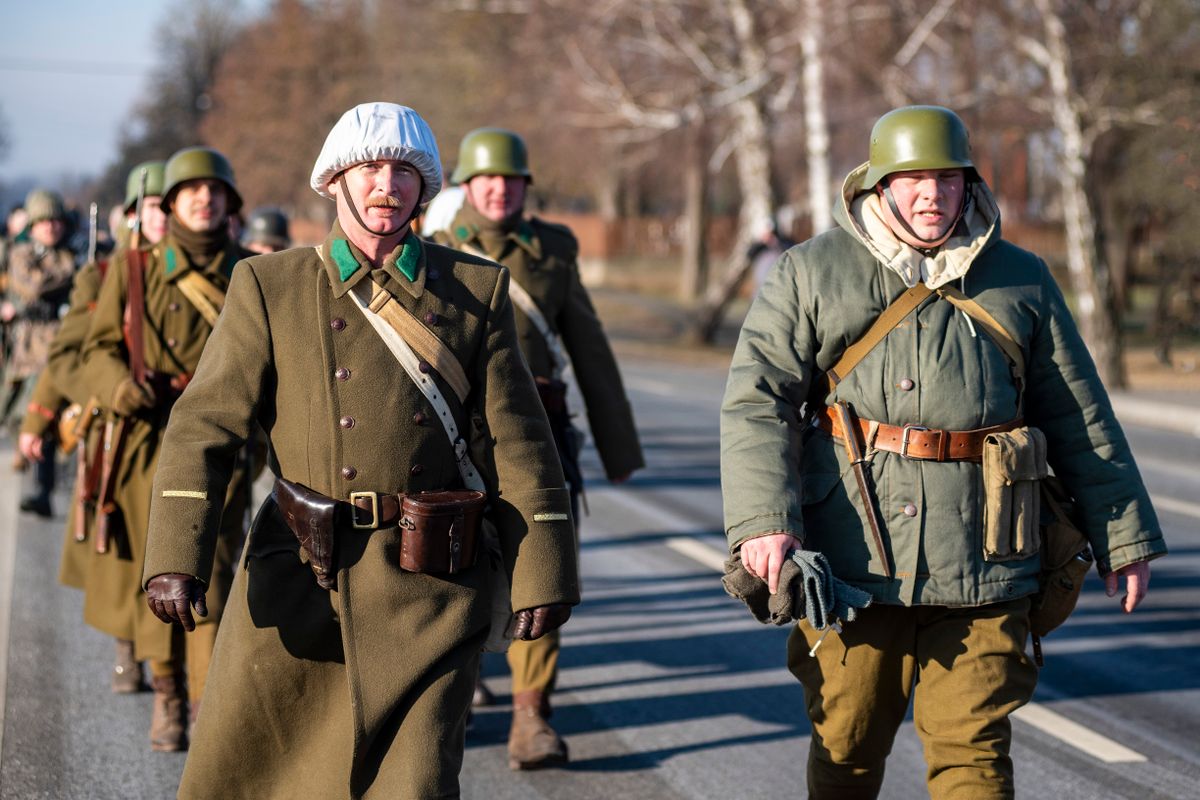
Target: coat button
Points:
x,y
349,473
173,307
431,318
424,367
907,384
417,469
910,510
346,422
171,342
337,323
419,418
434,274
342,374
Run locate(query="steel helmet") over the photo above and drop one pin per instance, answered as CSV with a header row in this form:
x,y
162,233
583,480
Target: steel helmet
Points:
x,y
268,225
917,137
43,204
491,151
154,182
194,163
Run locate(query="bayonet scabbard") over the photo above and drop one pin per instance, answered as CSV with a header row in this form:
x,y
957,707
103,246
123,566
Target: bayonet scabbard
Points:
x,y
858,462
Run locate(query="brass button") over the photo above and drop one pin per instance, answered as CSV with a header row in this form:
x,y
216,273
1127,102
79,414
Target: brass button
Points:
x,y
346,422
910,510
424,367
432,318
907,384
417,469
342,374
337,323
349,473
419,418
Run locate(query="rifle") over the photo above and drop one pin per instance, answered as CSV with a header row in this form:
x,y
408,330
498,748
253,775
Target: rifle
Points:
x,y
87,471
91,254
117,430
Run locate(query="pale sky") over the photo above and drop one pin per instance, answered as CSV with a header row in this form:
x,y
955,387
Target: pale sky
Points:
x,y
70,73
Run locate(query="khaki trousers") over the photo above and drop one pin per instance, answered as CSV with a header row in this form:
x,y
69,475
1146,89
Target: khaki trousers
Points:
x,y
534,664
964,669
197,648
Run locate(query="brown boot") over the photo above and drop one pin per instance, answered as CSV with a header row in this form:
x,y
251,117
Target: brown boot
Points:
x,y
127,670
532,743
168,731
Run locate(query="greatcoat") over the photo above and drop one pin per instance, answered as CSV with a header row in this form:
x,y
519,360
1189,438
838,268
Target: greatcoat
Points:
x,y
362,691
175,334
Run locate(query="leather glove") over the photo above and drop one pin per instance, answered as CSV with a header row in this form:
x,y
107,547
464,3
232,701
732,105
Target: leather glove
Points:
x,y
536,622
130,396
172,596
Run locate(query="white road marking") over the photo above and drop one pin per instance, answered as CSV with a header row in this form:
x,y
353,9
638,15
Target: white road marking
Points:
x,y
1085,739
8,553
1071,733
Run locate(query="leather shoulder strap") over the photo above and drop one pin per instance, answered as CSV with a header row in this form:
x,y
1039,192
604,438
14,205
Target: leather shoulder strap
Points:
x,y
900,308
200,292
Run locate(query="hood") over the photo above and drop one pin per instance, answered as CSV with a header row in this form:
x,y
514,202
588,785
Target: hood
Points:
x,y
859,212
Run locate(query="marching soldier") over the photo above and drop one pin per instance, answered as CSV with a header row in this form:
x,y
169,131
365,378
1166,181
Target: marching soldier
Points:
x,y
267,231
171,295
555,320
62,387
374,574
40,272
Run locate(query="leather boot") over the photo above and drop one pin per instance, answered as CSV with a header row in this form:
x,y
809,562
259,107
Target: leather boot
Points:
x,y
127,670
532,743
168,727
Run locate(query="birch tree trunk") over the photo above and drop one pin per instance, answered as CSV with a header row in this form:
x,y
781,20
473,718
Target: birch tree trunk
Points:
x,y
1086,265
815,122
694,277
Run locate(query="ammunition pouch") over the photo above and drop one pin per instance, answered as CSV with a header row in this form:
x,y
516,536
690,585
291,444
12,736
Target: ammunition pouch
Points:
x,y
1014,462
439,531
1066,559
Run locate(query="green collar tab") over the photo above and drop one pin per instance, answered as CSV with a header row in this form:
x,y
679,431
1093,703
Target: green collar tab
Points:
x,y
172,260
406,262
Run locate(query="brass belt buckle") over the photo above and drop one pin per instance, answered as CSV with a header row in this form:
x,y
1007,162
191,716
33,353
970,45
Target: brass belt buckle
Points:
x,y
904,441
374,498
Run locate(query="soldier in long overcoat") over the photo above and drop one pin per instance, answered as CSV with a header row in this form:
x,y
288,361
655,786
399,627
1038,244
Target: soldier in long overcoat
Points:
x,y
184,277
361,689
63,387
959,407
555,322
40,272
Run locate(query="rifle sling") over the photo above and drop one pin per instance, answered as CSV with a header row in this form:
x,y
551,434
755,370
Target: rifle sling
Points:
x,y
203,295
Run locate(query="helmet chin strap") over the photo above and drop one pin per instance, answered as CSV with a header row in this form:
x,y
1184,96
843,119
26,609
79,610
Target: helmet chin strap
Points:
x,y
353,210
932,241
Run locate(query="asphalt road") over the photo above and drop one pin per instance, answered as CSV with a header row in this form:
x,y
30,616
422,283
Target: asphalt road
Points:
x,y
668,689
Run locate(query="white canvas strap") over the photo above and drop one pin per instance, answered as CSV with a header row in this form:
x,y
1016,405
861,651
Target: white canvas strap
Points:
x,y
411,364
526,303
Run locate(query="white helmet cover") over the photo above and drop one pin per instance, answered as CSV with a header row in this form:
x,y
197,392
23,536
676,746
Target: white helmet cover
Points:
x,y
379,132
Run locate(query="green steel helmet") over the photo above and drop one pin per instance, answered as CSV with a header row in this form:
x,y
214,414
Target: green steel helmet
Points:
x,y
268,225
194,163
154,182
43,204
917,137
491,151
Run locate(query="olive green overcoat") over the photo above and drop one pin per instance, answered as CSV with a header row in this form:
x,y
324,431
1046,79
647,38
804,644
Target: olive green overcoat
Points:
x,y
362,691
175,334
543,258
935,369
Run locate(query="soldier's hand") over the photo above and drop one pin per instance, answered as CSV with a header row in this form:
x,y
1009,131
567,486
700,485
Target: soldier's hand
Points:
x,y
763,556
30,445
533,623
172,596
7,311
1137,583
130,396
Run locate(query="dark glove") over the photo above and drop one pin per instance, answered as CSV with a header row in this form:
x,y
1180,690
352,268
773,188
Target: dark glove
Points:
x,y
533,623
172,596
130,396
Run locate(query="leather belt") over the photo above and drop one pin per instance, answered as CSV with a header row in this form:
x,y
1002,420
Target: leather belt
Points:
x,y
918,442
371,510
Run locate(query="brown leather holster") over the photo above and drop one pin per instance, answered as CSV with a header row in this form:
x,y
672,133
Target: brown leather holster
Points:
x,y
439,531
